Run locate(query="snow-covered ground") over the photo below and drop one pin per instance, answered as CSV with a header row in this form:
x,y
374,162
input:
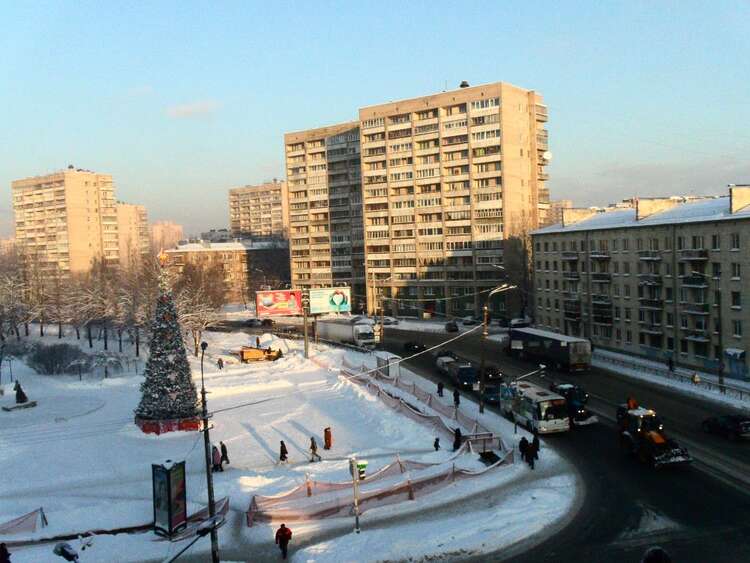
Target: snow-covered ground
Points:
x,y
79,455
655,372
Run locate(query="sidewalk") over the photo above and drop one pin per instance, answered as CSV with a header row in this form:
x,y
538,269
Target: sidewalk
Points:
x,y
736,393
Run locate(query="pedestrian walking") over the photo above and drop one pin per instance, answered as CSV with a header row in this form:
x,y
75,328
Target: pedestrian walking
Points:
x,y
535,445
327,438
224,453
283,453
257,341
216,459
314,450
440,388
4,554
523,448
220,364
670,363
283,537
456,439
456,398
436,444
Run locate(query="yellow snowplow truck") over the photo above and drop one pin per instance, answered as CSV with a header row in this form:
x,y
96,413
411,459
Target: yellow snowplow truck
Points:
x,y
249,354
642,435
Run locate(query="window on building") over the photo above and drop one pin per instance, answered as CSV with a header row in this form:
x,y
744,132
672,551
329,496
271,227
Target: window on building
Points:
x,y
618,334
670,319
616,267
554,247
716,269
683,321
681,268
735,241
680,243
616,290
667,243
627,290
641,338
639,244
735,270
670,343
717,297
626,267
627,313
715,242
668,268
737,328
625,245
736,300
697,241
683,346
615,244
628,336
669,295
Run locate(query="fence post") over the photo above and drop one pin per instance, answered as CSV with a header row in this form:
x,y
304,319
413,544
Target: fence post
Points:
x,y
411,490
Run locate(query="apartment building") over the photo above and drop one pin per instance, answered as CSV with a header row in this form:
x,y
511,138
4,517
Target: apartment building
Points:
x,y
165,234
555,212
247,265
66,220
7,246
133,233
667,277
325,208
259,211
445,179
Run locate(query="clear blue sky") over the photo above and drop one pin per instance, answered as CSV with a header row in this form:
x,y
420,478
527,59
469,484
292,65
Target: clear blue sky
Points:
x,y
181,100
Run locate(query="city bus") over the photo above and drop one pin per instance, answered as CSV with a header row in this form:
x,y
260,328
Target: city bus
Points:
x,y
538,409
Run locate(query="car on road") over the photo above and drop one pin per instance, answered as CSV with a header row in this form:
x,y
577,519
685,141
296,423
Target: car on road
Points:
x,y
451,326
492,393
253,323
387,321
493,373
469,321
414,347
731,426
440,352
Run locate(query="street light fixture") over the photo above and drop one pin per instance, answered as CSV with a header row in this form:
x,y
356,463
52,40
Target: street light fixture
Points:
x,y
209,474
485,334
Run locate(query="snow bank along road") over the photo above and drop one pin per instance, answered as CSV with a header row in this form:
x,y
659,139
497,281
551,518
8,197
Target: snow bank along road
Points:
x,y
79,455
627,507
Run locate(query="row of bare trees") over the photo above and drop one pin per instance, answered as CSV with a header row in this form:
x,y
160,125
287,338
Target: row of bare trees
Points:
x,y
106,301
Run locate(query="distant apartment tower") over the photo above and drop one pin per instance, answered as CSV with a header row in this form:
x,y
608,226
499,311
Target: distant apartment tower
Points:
x,y
259,211
133,233
325,208
66,220
666,277
7,246
555,213
165,234
445,179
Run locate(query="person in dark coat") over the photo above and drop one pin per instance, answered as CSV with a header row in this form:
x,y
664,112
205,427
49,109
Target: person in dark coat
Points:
x,y
535,445
456,397
456,439
523,447
4,554
436,444
216,459
670,363
224,453
440,388
314,450
257,341
20,395
220,364
283,453
283,537
327,438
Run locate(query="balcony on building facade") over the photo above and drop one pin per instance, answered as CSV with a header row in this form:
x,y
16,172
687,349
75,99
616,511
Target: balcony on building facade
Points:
x,y
651,328
694,281
598,299
571,296
694,254
696,334
601,277
696,308
572,310
650,303
649,255
572,256
570,275
599,255
649,279
602,319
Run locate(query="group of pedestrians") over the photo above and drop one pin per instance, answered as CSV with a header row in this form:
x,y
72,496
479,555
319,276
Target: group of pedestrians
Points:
x,y
529,450
219,456
456,394
314,455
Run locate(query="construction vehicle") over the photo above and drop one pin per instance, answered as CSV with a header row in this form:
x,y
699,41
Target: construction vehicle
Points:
x,y
642,435
576,397
249,354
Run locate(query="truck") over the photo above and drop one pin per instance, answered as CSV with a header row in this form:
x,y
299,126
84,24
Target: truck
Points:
x,y
558,350
461,372
346,331
576,398
642,436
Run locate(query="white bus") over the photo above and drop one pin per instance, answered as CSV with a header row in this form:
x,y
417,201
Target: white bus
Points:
x,y
536,408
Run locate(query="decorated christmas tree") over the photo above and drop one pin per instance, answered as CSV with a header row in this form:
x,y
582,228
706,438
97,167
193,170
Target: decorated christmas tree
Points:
x,y
168,391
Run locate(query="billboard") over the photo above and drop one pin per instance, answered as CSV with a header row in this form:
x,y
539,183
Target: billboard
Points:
x,y
330,300
170,497
278,303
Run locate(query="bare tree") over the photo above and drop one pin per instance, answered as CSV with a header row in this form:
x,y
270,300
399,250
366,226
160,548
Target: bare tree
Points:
x,y
200,293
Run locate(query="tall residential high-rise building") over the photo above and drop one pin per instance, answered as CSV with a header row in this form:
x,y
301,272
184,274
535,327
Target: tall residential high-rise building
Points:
x,y
259,211
555,214
134,237
66,220
445,179
325,208
165,234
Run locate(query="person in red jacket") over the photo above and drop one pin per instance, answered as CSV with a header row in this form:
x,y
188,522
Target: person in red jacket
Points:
x,y
283,535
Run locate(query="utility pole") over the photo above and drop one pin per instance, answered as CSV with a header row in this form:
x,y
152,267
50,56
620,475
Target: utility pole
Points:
x,y
209,474
305,306
482,370
355,485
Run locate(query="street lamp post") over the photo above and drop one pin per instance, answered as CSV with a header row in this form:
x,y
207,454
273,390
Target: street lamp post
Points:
x,y
209,474
485,334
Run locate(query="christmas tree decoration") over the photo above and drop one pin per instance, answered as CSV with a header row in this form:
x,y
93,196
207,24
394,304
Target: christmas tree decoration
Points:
x,y
169,400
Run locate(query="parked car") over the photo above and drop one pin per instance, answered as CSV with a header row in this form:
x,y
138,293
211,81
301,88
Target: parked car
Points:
x,y
469,321
492,393
253,323
390,321
414,347
732,426
451,326
266,323
442,352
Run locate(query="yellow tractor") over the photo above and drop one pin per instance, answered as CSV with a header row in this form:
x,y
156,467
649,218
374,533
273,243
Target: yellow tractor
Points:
x,y
249,354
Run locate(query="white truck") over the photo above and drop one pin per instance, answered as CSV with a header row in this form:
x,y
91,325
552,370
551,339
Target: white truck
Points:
x,y
347,331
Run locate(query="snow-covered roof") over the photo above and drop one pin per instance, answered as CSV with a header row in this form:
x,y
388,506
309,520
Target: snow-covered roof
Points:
x,y
226,246
696,211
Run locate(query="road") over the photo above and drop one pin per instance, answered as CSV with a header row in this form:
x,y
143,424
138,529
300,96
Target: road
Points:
x,y
691,511
628,507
